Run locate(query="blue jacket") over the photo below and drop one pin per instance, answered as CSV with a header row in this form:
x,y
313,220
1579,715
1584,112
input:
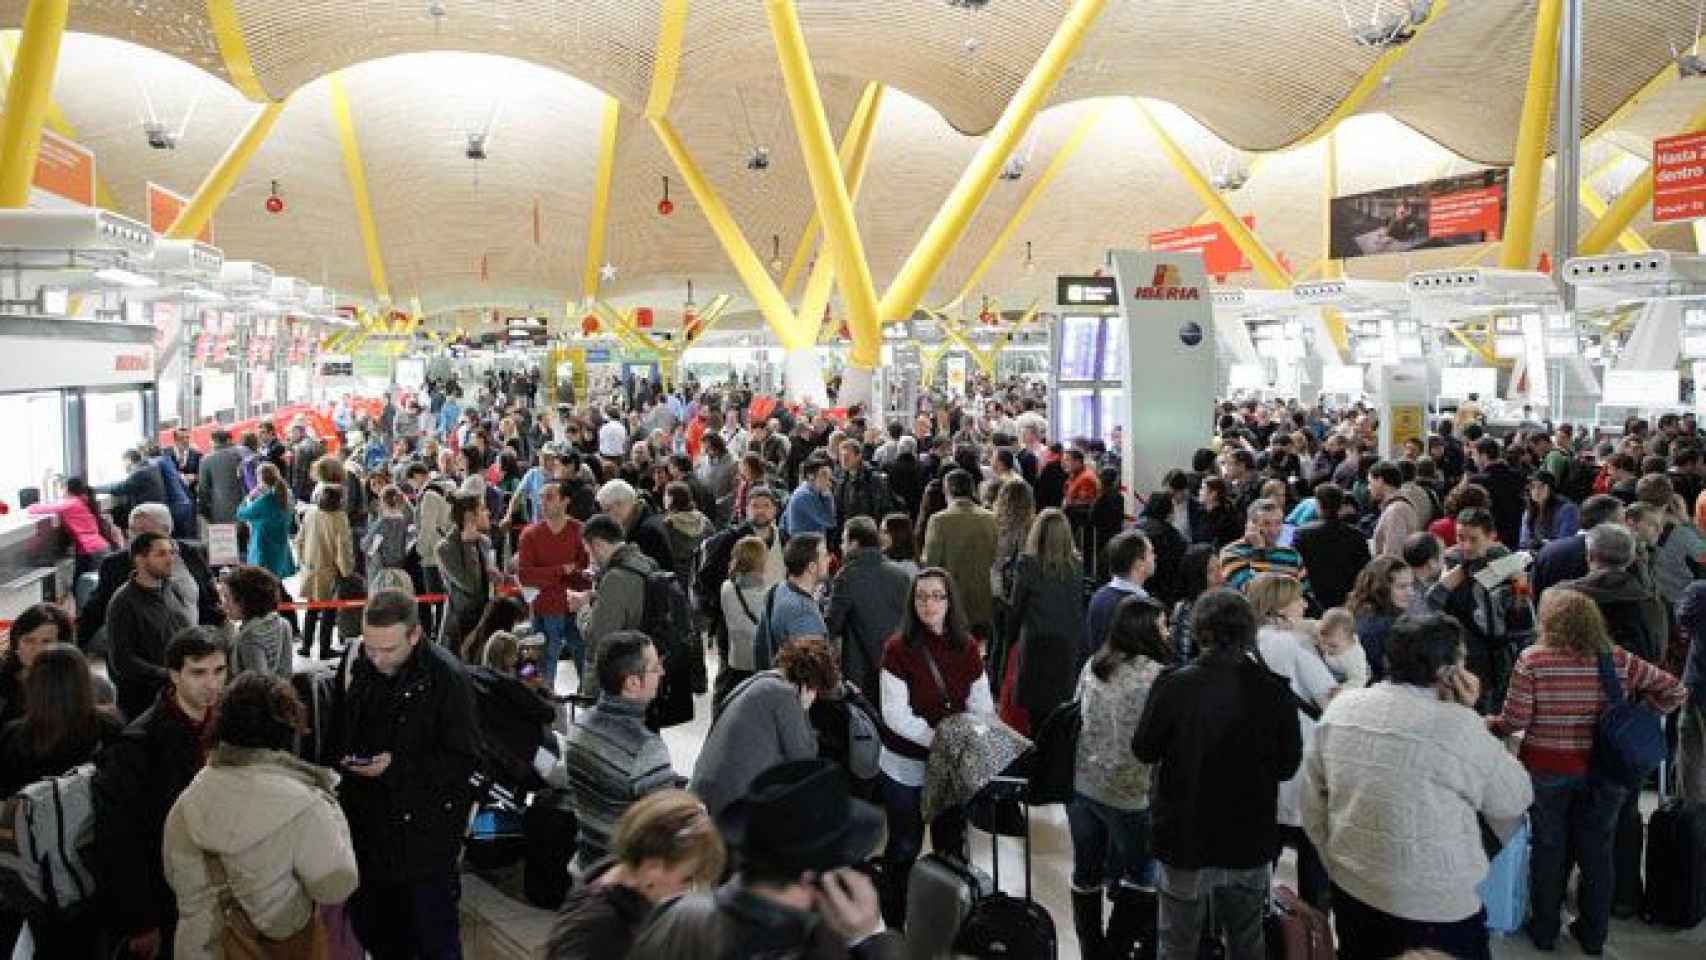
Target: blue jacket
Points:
x,y
177,497
448,415
808,512
269,534
1103,603
1566,520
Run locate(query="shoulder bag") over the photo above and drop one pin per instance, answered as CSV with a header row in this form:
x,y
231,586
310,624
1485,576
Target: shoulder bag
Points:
x,y
1629,739
240,940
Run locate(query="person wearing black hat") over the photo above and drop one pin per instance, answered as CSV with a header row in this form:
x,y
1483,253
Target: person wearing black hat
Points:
x,y
796,832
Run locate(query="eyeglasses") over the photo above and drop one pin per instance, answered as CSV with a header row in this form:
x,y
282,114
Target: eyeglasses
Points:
x,y
933,596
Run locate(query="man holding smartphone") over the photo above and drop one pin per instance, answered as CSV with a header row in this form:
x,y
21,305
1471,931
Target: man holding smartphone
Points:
x,y
405,725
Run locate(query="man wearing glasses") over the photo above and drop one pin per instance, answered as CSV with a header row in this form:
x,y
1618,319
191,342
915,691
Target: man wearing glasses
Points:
x,y
612,759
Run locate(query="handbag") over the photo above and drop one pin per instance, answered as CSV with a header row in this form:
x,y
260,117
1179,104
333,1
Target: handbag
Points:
x,y
1629,739
240,940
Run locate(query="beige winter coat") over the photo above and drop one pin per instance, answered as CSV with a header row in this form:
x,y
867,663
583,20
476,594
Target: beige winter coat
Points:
x,y
327,552
276,825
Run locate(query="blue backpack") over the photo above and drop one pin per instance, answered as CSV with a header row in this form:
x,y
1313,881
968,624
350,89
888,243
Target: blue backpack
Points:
x,y
1629,739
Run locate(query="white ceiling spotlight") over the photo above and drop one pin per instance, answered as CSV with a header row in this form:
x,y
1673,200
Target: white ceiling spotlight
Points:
x,y
1230,179
607,272
760,159
476,148
1389,24
968,4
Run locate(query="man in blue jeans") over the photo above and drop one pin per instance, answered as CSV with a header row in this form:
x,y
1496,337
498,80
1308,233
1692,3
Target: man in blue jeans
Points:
x,y
1222,735
552,559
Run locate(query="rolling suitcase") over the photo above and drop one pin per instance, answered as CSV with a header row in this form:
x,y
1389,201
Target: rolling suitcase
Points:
x,y
1003,927
551,828
940,894
1676,865
1294,930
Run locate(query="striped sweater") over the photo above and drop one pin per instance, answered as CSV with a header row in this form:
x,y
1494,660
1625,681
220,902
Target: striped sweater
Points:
x,y
1555,697
1240,563
611,761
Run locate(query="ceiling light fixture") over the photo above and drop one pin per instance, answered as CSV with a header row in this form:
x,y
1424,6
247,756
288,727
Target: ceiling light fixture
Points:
x,y
476,149
1030,261
776,264
275,203
1388,28
760,159
159,138
969,4
1231,179
124,278
666,206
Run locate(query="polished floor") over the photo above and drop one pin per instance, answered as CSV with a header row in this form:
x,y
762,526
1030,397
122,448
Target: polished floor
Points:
x,y
498,926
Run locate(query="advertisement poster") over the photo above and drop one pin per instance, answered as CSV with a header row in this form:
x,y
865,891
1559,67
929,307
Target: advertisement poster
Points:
x,y
1450,212
164,207
1078,347
956,376
1220,256
1679,178
65,171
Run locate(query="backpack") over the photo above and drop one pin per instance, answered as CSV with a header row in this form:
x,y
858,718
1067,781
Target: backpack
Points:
x,y
668,620
1055,762
47,832
1629,739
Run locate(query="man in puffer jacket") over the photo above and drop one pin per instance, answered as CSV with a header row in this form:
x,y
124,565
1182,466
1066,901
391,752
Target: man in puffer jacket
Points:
x,y
267,821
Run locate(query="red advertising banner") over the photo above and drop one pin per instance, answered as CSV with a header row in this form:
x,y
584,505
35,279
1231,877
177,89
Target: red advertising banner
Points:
x,y
1220,256
163,208
65,169
1467,211
1679,178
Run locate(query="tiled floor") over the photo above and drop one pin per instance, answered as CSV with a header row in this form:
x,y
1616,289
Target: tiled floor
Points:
x,y
499,927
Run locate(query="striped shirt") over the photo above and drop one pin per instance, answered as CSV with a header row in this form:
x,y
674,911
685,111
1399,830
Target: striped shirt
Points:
x,y
1240,563
611,761
1555,696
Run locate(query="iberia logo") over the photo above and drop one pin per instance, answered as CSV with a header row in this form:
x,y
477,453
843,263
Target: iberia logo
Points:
x,y
1167,286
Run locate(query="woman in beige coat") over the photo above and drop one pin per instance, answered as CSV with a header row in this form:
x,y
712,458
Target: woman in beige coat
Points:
x,y
327,550
271,821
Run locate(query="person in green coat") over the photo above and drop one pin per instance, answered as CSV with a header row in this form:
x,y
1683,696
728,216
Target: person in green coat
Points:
x,y
267,512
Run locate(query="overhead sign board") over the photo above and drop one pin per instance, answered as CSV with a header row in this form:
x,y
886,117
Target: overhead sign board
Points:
x,y
1463,382
1087,291
1439,213
164,207
1679,178
1220,255
42,363
1642,389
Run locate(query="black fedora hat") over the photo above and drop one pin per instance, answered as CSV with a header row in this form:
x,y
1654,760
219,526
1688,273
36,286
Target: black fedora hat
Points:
x,y
800,815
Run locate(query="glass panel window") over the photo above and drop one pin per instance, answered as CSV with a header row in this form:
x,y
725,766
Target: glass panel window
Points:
x,y
35,424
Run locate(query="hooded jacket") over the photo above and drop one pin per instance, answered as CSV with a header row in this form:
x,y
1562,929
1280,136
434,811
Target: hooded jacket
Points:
x,y
1620,595
275,824
263,644
686,531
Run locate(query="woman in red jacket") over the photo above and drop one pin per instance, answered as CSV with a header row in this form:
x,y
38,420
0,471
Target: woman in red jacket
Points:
x,y
93,536
932,669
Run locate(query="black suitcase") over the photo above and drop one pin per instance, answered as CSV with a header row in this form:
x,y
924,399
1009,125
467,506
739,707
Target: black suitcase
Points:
x,y
1676,865
1002,927
551,828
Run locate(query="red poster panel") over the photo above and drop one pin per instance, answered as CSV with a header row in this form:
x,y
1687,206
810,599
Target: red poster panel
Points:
x,y
1679,178
1467,211
1220,254
163,209
65,169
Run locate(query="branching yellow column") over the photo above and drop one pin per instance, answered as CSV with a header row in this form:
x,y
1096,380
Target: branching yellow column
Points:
x,y
852,167
1074,140
1595,205
217,186
356,174
28,93
1517,247
910,284
759,285
855,155
666,57
1266,266
829,192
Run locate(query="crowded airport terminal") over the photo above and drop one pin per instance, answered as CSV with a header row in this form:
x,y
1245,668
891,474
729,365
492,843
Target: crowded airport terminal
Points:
x,y
870,479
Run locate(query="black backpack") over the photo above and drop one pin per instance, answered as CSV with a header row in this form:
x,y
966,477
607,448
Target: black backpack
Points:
x,y
1055,761
668,620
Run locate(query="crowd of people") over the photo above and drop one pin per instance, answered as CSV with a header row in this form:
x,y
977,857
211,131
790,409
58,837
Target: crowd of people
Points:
x,y
1294,643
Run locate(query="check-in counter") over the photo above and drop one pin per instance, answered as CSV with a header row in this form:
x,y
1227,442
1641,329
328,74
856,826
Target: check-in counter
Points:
x,y
35,562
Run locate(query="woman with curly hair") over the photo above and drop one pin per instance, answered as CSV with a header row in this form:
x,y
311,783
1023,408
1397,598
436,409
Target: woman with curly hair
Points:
x,y
1382,593
764,722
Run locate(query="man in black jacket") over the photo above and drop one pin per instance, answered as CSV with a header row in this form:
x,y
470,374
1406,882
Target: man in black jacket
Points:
x,y
144,615
137,779
142,483
643,527
1506,487
860,490
1567,559
405,728
867,601
1223,734
190,573
1333,551
1619,594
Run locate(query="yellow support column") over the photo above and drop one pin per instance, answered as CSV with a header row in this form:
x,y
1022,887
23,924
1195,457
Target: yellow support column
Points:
x,y
55,119
748,267
1595,205
666,57
1630,202
223,176
357,177
910,284
28,93
1266,266
600,200
852,167
1517,248
1074,140
1332,269
834,205
856,153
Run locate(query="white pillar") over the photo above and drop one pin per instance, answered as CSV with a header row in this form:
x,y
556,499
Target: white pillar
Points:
x,y
857,387
802,376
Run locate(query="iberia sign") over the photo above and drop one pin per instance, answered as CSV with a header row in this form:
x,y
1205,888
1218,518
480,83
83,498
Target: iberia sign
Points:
x,y
1679,178
1165,285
